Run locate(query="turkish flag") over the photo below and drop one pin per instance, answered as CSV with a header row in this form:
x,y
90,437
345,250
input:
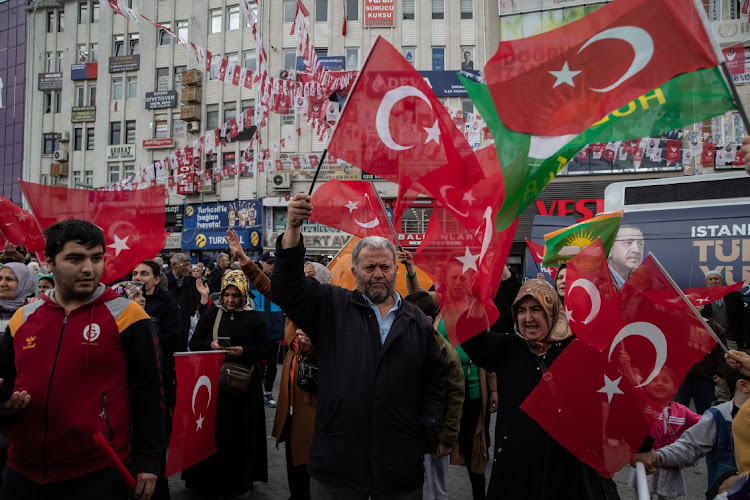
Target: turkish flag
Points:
x,y
194,422
590,401
404,200
590,302
565,80
735,57
20,227
673,151
352,206
703,295
132,221
537,255
709,151
466,267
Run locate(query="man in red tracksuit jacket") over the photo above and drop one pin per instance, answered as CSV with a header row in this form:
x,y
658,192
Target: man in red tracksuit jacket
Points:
x,y
81,360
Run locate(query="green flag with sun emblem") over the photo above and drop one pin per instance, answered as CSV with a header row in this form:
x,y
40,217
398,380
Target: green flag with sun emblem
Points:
x,y
562,245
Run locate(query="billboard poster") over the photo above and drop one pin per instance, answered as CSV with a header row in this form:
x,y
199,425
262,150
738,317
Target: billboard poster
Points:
x,y
380,13
205,225
688,242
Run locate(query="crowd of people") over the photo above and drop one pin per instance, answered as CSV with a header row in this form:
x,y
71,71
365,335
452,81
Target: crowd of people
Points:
x,y
373,401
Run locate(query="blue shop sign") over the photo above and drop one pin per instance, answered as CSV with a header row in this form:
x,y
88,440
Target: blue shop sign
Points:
x,y
205,225
330,63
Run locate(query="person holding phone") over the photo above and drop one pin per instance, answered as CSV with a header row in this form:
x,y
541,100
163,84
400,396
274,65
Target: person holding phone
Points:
x,y
240,418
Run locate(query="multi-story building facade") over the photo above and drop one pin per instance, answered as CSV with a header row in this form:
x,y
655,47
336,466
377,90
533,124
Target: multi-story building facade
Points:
x,y
12,95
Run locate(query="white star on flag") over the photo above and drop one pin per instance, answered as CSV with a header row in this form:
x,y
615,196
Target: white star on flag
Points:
x,y
352,206
433,133
569,314
468,197
703,300
22,216
119,245
199,422
611,387
564,76
468,260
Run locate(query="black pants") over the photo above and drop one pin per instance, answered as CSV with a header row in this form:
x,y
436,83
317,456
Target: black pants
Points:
x,y
297,476
98,485
471,411
271,362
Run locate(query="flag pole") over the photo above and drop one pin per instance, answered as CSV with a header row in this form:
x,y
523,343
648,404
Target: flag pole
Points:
x,y
735,96
695,311
317,171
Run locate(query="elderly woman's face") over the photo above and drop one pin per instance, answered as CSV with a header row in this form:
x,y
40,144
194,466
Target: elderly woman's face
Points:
x,y
8,283
231,298
532,321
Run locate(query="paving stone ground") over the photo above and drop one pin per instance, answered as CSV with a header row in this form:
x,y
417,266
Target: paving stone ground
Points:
x,y
458,480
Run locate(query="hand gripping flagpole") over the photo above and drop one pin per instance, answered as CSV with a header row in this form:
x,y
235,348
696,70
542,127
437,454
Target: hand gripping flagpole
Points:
x,y
695,311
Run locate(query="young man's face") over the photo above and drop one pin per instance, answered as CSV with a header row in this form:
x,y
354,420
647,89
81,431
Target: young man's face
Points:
x,y
77,270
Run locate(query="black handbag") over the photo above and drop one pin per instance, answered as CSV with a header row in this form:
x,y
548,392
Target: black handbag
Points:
x,y
307,373
234,377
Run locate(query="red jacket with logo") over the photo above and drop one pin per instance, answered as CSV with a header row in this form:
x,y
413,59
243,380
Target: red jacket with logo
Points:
x,y
94,368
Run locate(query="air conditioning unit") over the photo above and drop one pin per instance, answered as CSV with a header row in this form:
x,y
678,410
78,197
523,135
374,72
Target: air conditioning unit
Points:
x,y
60,156
194,126
192,78
63,137
282,181
58,170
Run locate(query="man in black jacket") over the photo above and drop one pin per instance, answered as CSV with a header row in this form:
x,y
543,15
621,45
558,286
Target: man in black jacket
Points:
x,y
214,278
381,375
183,288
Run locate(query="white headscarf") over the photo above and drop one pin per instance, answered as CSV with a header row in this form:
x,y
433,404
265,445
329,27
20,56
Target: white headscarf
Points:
x,y
27,283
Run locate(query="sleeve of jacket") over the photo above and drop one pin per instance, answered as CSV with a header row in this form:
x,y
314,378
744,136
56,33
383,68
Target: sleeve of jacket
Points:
x,y
694,443
258,278
169,336
203,334
487,349
433,392
259,350
454,398
146,395
7,364
305,301
214,279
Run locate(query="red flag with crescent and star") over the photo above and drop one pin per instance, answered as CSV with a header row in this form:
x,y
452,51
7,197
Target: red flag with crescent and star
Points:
x,y
703,295
352,206
536,251
601,404
563,81
194,422
20,227
132,221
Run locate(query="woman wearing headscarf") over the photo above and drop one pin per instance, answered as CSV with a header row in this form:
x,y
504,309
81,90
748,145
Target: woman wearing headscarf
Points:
x,y
529,463
294,422
132,290
240,418
46,282
17,283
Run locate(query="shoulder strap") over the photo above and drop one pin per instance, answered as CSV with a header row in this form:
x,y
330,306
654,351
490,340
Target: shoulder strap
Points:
x,y
216,323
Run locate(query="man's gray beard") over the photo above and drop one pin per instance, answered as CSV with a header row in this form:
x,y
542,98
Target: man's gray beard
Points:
x,y
376,299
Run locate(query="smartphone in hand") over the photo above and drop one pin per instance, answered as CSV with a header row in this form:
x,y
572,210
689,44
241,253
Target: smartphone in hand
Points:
x,y
224,341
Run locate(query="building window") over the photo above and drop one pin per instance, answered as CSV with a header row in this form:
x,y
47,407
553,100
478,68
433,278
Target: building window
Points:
x,y
83,13
58,100
352,10
321,52
249,61
94,52
130,132
90,139
164,37
438,9
182,29
230,111
162,79
82,54
80,94
467,9
178,70
290,10
59,65
117,88
50,21
215,17
115,133
88,177
321,11
232,58
290,59
48,143
77,139
92,95
178,126
162,126
467,106
60,21
408,9
132,87
129,170
212,116
438,59
233,18
76,178
47,102
352,59
118,45
247,104
113,175
95,12
50,61
133,44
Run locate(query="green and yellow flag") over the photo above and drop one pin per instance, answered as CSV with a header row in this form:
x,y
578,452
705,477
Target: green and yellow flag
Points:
x,y
562,245
529,163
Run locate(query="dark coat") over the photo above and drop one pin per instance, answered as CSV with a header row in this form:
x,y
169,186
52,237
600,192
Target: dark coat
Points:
x,y
214,279
529,463
188,298
167,320
240,418
736,329
378,404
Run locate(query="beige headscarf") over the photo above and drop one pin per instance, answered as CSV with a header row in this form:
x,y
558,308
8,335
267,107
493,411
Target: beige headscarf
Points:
x,y
541,291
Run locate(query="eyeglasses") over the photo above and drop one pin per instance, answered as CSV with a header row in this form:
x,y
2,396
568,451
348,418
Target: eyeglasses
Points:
x,y
184,263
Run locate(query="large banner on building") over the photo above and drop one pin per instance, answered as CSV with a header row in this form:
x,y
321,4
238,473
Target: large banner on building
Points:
x,y
380,13
205,225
